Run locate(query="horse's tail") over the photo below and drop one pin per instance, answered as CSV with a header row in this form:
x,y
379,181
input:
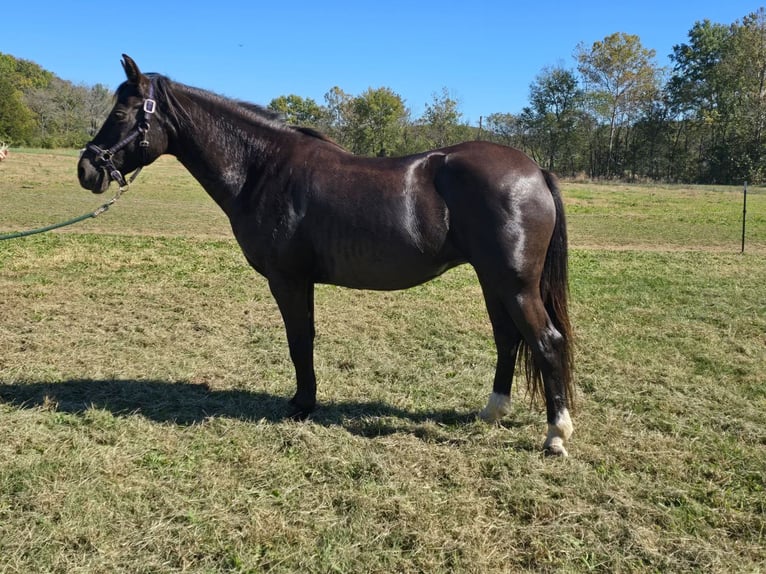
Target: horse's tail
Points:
x,y
554,289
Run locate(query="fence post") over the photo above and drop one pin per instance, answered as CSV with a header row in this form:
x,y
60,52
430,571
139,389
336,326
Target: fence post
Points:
x,y
744,216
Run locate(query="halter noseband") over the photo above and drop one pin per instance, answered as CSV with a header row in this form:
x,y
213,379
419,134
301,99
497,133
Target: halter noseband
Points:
x,y
141,129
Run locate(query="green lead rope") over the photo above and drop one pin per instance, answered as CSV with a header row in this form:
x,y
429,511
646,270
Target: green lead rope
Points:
x,y
90,215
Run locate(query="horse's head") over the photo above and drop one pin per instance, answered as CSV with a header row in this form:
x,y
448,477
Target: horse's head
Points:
x,y
133,135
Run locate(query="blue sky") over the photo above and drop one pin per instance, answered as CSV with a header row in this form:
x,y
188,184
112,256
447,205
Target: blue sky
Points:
x,y
486,53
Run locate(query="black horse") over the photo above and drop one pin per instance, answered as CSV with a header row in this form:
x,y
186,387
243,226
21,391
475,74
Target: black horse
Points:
x,y
305,211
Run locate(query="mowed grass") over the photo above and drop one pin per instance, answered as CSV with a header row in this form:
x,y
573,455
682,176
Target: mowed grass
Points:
x,y
144,374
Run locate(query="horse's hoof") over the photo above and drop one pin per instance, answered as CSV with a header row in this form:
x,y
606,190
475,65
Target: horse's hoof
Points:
x,y
299,412
557,450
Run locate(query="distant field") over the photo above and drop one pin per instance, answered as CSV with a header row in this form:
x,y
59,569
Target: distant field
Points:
x,y
144,374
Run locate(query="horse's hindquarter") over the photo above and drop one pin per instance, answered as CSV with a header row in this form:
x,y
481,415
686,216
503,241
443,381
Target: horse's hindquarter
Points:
x,y
502,210
378,223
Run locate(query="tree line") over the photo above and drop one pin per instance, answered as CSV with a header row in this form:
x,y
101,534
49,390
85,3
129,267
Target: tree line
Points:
x,y
37,108
614,114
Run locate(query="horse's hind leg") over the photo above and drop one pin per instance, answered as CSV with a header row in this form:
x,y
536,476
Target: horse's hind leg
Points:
x,y
548,349
517,313
507,339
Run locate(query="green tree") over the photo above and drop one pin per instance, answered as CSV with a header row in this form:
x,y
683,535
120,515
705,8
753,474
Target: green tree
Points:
x,y
23,74
298,110
506,129
337,121
552,118
697,98
441,121
718,93
98,103
693,85
743,70
621,77
63,115
378,117
16,120
17,76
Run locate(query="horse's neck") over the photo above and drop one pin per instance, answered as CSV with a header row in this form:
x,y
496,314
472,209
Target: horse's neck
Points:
x,y
219,150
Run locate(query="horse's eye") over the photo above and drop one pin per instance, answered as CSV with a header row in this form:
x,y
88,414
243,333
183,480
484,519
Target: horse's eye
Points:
x,y
120,115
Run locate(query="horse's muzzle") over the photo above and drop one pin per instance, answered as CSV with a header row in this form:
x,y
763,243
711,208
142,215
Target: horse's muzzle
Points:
x,y
91,177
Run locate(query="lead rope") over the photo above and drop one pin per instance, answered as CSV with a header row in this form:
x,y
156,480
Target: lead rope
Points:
x,y
95,213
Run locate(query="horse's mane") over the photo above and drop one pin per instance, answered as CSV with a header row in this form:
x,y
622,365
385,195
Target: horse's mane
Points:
x,y
315,134
258,110
278,117
164,88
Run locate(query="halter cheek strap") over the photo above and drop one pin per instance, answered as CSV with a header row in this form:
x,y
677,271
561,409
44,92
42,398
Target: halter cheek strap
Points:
x,y
105,157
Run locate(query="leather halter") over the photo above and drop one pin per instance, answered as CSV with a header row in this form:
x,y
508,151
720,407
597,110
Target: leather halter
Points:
x,y
104,157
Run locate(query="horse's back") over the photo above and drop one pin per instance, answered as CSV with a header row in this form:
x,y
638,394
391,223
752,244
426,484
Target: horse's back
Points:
x,y
486,167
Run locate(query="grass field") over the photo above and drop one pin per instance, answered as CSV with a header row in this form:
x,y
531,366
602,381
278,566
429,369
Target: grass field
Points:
x,y
144,374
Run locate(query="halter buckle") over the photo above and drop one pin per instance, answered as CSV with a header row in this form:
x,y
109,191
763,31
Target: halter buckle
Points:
x,y
149,106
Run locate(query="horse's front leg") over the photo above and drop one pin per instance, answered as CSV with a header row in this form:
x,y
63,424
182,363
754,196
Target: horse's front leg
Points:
x,y
296,303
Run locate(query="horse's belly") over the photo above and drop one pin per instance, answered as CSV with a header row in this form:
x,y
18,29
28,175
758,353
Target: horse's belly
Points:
x,y
393,240
382,266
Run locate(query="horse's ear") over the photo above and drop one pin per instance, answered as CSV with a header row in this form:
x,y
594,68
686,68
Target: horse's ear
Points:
x,y
131,70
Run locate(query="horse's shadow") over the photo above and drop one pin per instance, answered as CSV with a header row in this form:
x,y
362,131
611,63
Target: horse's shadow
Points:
x,y
186,403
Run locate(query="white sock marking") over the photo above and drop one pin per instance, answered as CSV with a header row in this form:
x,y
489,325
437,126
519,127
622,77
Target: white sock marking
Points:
x,y
497,407
558,433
